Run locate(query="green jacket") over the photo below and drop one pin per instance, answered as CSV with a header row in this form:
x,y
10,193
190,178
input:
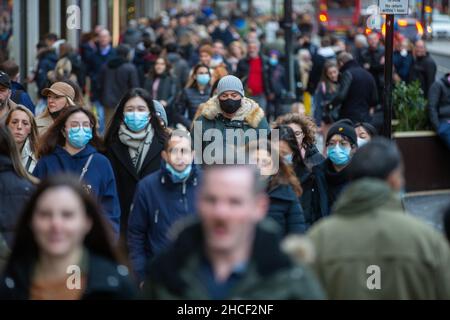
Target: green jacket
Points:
x,y
249,123
270,274
369,228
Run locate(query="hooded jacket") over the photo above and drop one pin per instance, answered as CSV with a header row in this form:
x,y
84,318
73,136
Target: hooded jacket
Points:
x,y
99,177
158,205
439,101
369,231
269,273
211,117
117,76
47,60
14,193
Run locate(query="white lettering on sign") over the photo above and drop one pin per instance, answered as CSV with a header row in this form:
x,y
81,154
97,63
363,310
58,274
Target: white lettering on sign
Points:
x,y
394,6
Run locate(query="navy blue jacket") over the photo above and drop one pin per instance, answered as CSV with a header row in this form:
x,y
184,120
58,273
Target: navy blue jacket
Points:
x,y
20,96
331,183
157,205
14,193
286,210
99,176
94,61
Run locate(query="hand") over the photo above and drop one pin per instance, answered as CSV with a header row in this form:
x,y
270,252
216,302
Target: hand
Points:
x,y
382,60
164,103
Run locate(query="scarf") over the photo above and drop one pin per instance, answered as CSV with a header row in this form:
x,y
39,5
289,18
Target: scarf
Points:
x,y
138,143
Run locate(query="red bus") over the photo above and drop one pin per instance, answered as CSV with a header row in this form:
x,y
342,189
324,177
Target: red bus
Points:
x,y
338,15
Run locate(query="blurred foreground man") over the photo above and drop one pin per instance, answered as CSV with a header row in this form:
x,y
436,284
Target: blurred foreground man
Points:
x,y
369,248
230,254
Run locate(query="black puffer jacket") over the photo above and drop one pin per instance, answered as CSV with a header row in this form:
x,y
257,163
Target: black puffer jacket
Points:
x,y
439,101
14,193
189,99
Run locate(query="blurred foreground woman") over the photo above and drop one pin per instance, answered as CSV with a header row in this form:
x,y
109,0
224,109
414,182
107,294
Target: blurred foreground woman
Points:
x,y
63,250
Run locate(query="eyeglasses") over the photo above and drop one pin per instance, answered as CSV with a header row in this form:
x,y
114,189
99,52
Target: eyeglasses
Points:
x,y
76,126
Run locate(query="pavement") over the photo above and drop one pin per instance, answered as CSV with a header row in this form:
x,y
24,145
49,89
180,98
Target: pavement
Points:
x,y
440,51
428,206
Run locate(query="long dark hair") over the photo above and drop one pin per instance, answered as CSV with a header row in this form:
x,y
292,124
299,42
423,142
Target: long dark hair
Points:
x,y
192,82
287,135
25,250
54,136
8,148
112,133
285,174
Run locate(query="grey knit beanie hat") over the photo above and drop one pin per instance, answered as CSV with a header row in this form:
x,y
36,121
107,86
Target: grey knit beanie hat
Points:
x,y
230,83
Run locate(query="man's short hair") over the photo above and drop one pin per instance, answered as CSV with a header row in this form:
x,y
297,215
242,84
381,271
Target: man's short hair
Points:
x,y
10,68
176,133
344,57
377,159
51,37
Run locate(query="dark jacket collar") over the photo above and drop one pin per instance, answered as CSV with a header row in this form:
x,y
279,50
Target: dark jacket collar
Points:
x,y
349,65
334,177
167,268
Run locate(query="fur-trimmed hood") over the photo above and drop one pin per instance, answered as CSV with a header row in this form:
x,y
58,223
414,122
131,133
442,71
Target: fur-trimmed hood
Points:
x,y
249,111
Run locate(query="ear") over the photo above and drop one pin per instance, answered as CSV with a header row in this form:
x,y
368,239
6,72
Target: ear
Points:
x,y
164,155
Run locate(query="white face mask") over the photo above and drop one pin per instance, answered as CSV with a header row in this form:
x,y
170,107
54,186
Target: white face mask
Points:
x,y
403,52
362,142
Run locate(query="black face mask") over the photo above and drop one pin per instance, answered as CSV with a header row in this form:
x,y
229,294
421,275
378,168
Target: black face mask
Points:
x,y
230,106
55,114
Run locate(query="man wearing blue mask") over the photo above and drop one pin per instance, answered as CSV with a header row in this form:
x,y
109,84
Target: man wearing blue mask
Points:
x,y
332,174
162,199
278,85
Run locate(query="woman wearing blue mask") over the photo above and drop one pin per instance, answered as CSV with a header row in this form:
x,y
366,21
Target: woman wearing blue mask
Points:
x,y
283,187
332,175
134,141
162,199
290,151
197,91
72,145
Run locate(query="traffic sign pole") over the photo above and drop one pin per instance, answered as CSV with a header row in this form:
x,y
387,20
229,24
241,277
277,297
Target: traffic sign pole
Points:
x,y
388,63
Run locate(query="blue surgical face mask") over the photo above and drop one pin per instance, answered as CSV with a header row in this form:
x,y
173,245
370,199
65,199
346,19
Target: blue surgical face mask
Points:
x,y
338,155
289,158
137,121
79,138
203,79
273,61
178,176
362,142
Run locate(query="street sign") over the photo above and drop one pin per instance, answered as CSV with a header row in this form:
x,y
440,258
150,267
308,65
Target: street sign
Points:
x,y
393,6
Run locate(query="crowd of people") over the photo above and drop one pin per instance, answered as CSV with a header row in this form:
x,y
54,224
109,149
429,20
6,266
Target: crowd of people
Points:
x,y
104,171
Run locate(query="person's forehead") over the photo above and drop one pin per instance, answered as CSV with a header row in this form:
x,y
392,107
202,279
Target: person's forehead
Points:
x,y
179,141
337,137
19,114
78,116
136,101
228,178
295,126
229,92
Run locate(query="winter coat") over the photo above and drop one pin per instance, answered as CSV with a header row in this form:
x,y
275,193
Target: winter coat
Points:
x,y
439,101
322,98
269,273
373,58
357,93
314,199
424,70
116,77
43,122
286,210
369,229
20,96
243,70
46,62
99,176
126,175
329,183
402,64
106,280
158,204
189,100
211,118
14,193
167,88
94,61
